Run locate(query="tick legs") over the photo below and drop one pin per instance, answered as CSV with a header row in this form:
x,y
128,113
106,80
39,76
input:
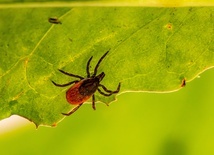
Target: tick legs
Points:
x,y
72,75
93,102
64,85
73,110
110,92
95,69
88,66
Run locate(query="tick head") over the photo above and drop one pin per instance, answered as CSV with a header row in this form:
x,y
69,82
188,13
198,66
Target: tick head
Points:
x,y
100,76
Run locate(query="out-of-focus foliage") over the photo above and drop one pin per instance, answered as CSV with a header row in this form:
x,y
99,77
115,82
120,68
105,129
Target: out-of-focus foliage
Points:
x,y
179,123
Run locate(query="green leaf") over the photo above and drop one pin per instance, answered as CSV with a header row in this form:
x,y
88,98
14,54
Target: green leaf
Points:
x,y
151,50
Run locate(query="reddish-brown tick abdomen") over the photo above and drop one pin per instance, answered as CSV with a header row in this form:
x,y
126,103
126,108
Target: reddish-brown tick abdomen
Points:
x,y
73,95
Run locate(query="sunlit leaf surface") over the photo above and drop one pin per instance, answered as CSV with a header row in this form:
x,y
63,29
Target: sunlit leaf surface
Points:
x,y
151,49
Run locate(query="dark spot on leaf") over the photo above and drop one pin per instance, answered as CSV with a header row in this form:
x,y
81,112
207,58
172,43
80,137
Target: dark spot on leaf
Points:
x,y
169,26
183,83
13,102
54,20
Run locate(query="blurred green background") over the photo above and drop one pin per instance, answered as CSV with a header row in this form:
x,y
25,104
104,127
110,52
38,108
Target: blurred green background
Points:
x,y
178,123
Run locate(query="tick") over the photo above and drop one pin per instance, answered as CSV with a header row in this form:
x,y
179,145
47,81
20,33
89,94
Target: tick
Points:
x,y
84,88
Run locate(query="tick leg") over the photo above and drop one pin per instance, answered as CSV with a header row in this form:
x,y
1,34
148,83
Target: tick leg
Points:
x,y
72,75
110,91
95,69
88,66
104,94
73,110
64,85
93,102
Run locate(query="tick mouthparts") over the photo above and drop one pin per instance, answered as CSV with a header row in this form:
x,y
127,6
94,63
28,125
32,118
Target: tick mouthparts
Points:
x,y
101,76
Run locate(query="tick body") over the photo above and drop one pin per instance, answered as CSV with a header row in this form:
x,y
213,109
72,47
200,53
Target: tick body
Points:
x,y
84,88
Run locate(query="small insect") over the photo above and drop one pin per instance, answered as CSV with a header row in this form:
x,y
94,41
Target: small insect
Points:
x,y
84,88
183,83
54,20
